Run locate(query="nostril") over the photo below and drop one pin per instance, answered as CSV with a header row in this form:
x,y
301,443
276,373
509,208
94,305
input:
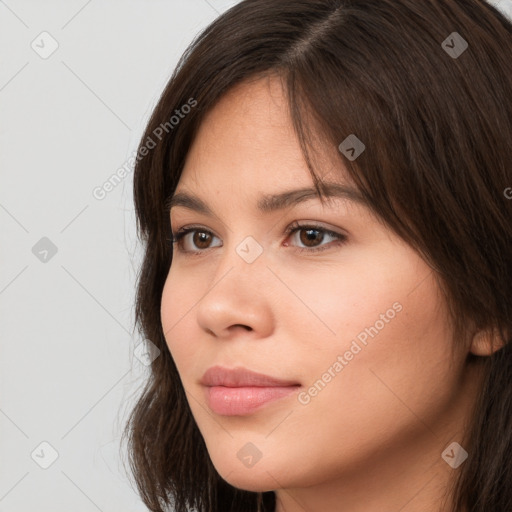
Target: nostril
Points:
x,y
246,327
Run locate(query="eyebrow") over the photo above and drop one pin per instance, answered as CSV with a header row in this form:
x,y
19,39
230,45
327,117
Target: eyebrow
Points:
x,y
269,203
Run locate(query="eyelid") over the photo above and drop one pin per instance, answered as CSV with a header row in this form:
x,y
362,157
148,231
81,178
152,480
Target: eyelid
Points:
x,y
188,228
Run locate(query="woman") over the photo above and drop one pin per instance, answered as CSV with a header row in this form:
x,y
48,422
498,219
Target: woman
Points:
x,y
322,191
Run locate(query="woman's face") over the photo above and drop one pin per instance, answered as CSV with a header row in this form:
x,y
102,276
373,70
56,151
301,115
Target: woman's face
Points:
x,y
353,322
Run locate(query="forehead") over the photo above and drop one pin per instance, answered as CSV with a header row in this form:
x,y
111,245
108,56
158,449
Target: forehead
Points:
x,y
247,140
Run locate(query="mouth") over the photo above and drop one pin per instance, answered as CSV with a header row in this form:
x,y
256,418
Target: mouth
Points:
x,y
239,391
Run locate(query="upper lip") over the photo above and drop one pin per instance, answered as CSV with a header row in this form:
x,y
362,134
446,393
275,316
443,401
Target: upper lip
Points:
x,y
241,377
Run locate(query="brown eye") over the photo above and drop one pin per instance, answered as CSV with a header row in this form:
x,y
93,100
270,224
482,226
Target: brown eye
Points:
x,y
312,238
309,237
201,239
193,239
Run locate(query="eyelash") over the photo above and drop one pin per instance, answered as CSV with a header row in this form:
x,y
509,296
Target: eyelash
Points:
x,y
341,239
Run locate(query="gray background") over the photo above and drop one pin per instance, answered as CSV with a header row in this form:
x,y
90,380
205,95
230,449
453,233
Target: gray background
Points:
x,y
68,121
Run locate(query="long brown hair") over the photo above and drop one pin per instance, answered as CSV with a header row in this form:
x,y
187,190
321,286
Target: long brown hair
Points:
x,y
427,86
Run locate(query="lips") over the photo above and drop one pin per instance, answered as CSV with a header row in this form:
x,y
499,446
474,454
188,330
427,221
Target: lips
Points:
x,y
241,377
239,391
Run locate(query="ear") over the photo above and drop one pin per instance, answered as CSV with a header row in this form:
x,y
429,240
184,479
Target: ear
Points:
x,y
486,342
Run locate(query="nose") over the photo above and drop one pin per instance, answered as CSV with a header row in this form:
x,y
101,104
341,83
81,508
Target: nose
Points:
x,y
238,300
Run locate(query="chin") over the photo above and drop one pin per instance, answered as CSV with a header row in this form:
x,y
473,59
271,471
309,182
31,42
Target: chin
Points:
x,y
250,482
255,479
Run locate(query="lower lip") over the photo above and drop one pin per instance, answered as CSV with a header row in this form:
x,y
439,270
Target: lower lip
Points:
x,y
244,400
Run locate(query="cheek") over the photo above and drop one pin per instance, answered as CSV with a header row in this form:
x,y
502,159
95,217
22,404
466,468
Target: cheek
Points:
x,y
396,368
389,325
343,302
177,310
389,394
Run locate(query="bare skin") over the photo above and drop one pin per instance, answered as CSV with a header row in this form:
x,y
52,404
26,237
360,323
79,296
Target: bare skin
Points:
x,y
371,437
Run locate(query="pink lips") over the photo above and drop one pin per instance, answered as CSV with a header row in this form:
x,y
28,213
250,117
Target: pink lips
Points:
x,y
240,391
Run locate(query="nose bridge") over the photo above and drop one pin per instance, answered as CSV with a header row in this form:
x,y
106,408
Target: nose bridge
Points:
x,y
244,258
237,294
